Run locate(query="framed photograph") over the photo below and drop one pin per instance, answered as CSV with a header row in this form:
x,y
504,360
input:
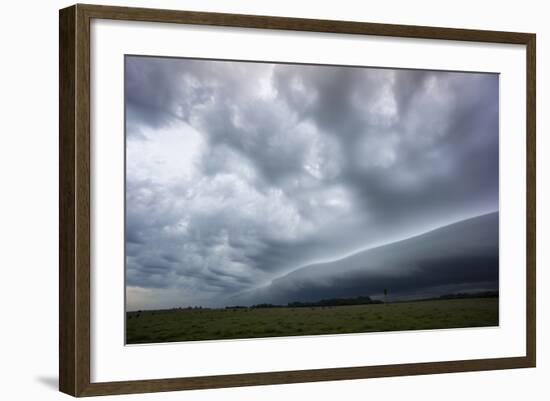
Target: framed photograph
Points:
x,y
250,200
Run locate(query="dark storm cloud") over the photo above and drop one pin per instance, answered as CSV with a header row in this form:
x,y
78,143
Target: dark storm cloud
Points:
x,y
435,146
460,257
238,173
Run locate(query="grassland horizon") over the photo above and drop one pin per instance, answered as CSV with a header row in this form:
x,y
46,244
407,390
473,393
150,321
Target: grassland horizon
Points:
x,y
199,324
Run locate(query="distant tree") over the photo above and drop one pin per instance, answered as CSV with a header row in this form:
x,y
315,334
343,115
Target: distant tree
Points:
x,y
361,300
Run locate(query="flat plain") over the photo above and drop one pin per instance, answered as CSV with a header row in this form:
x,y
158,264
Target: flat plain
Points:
x,y
194,324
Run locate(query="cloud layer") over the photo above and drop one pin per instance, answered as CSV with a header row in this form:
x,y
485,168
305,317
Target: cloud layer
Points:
x,y
460,257
239,173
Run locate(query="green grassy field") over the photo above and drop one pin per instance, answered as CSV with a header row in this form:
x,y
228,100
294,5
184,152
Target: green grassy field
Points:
x,y
214,324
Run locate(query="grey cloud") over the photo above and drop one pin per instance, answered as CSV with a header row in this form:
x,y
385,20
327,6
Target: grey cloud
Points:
x,y
297,164
458,257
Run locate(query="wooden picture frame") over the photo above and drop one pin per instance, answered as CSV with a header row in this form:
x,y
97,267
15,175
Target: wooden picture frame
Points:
x,y
75,199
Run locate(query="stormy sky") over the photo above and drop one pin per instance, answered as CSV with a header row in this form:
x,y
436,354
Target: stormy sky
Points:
x,y
238,173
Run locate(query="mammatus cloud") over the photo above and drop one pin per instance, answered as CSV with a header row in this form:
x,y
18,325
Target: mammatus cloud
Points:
x,y
239,173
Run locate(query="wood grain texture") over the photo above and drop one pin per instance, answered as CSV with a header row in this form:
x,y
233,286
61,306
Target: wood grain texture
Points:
x,y
301,24
531,179
82,193
74,199
74,206
67,290
301,376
